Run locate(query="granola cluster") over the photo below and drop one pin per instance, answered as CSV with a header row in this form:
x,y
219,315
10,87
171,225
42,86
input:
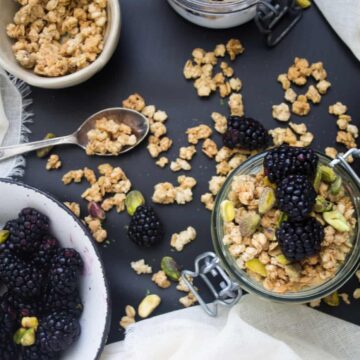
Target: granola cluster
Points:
x,y
106,191
109,137
251,235
294,135
158,142
202,69
298,74
178,241
55,38
53,162
166,193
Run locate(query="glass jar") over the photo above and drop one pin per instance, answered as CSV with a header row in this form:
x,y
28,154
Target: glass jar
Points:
x,y
234,278
269,15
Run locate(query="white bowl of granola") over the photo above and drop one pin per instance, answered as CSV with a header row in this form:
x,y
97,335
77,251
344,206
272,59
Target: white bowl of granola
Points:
x,y
58,45
256,262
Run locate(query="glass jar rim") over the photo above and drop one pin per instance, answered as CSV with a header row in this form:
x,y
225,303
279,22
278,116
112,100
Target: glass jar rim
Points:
x,y
217,7
346,270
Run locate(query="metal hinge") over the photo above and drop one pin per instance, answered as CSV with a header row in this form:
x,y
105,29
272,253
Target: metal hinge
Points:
x,y
206,266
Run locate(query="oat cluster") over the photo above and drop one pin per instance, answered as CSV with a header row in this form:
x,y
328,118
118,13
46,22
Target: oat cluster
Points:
x,y
109,137
128,318
207,77
106,191
58,37
53,162
251,235
178,241
140,267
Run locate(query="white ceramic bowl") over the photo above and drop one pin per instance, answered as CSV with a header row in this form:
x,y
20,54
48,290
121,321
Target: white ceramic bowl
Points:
x,y
8,62
95,320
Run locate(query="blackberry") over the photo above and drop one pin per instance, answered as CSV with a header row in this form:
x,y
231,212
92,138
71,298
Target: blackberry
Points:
x,y
7,322
70,303
58,331
145,228
296,196
246,133
69,258
8,349
46,251
22,278
299,240
285,160
35,352
19,308
26,231
63,279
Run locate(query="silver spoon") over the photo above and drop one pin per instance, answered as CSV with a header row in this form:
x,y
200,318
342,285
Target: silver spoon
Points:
x,y
139,124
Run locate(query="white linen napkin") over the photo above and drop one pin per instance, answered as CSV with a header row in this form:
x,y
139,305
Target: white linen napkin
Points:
x,y
253,329
13,117
344,17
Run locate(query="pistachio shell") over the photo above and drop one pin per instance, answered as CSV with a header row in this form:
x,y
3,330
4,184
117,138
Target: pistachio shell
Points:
x,y
332,299
336,186
248,224
96,211
256,266
133,200
322,205
170,268
148,305
336,220
41,153
267,200
227,210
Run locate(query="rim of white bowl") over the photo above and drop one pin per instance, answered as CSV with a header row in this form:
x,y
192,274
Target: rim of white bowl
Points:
x,y
79,76
93,244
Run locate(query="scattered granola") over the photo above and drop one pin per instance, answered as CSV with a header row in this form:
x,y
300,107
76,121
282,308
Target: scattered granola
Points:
x,y
140,267
301,106
345,298
208,200
179,164
313,95
58,38
209,148
220,122
161,280
109,137
299,129
356,293
197,133
74,207
236,105
331,152
187,153
281,112
53,162
188,300
162,162
95,226
323,86
178,241
182,285
337,109
73,176
129,317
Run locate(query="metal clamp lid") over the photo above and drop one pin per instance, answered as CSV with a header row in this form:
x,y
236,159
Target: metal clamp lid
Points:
x,y
207,264
341,159
269,15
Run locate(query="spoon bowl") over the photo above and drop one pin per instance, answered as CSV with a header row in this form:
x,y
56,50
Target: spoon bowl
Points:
x,y
138,123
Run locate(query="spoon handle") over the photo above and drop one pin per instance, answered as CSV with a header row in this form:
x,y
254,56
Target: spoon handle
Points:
x,y
14,150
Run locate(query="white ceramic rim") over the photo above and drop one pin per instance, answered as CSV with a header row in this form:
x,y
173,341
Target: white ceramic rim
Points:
x,y
92,243
111,41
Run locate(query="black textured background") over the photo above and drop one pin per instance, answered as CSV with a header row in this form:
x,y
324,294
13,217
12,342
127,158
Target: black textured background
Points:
x,y
154,45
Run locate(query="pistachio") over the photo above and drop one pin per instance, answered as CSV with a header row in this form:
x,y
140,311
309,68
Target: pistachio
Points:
x,y
30,322
293,271
267,200
96,211
227,210
322,205
304,4
170,268
332,299
133,200
268,183
18,336
45,151
336,220
317,180
336,186
327,174
28,338
148,305
256,266
248,224
283,217
4,234
281,259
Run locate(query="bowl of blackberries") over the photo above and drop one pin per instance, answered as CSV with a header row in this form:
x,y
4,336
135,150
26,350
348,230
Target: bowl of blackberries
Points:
x,y
53,293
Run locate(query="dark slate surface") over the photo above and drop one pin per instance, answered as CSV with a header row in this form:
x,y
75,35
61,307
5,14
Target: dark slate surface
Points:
x,y
154,45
